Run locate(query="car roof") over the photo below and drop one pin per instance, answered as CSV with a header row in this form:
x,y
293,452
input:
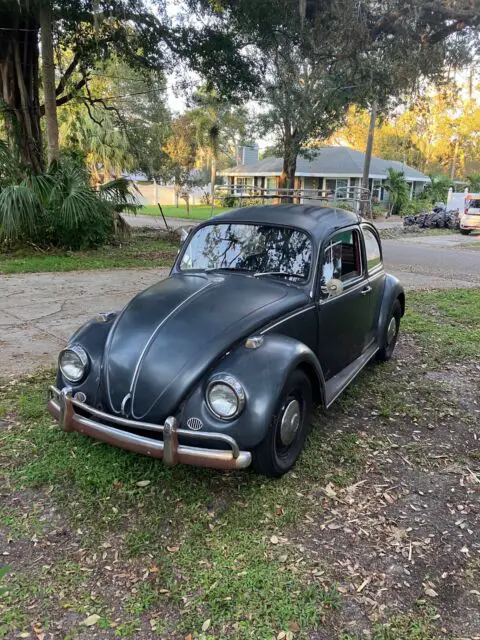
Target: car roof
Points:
x,y
318,221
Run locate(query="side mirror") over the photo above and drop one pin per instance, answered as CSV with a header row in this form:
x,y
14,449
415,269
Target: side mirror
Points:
x,y
332,288
183,235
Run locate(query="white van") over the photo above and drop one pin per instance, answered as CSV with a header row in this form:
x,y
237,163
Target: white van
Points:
x,y
470,220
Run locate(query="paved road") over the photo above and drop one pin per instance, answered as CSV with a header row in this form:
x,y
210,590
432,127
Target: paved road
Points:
x,y
38,312
431,262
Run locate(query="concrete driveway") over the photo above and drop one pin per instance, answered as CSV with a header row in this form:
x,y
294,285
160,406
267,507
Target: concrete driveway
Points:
x,y
39,312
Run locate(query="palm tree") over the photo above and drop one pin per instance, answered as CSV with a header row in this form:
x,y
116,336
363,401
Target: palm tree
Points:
x,y
215,122
104,144
60,208
399,192
437,190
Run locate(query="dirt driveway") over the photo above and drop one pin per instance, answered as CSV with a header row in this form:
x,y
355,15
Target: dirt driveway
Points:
x,y
40,311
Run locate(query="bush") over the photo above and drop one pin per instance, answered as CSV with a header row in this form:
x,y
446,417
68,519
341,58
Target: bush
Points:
x,y
59,208
412,207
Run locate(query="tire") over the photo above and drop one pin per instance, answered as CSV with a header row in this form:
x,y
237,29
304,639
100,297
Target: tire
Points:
x,y
390,336
465,232
274,457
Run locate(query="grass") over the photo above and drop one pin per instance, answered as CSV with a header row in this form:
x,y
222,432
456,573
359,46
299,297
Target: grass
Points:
x,y
197,212
135,252
208,554
208,535
447,322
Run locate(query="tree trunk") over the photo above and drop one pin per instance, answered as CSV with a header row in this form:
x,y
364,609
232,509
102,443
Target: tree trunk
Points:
x,y
213,176
291,149
19,91
48,70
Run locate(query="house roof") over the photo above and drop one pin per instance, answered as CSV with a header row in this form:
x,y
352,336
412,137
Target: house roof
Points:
x,y
335,162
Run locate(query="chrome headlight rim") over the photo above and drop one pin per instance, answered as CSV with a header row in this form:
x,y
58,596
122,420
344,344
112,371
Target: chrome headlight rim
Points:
x,y
235,386
80,352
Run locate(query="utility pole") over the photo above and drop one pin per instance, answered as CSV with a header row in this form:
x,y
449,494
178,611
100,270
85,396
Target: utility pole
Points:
x,y
369,149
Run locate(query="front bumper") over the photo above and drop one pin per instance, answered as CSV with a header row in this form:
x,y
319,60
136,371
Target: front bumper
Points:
x,y
62,406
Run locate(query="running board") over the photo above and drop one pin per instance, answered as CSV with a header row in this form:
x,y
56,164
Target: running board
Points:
x,y
336,384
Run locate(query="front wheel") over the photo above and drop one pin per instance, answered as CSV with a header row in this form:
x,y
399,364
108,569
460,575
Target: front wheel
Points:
x,y
465,232
390,336
279,450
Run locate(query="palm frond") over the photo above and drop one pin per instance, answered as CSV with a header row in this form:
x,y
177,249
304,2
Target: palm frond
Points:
x,y
118,194
20,212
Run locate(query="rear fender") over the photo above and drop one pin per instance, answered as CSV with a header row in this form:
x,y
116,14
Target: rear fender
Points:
x,y
263,373
392,292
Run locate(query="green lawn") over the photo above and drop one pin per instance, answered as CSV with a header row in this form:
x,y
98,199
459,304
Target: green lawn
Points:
x,y
197,212
135,252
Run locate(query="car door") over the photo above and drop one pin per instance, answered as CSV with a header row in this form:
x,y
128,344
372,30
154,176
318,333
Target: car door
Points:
x,y
373,259
343,302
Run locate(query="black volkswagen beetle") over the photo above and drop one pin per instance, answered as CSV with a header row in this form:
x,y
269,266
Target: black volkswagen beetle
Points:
x,y
267,310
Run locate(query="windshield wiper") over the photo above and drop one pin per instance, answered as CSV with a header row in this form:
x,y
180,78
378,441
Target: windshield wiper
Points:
x,y
226,269
259,274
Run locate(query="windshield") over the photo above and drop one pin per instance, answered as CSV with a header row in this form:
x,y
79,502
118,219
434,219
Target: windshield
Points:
x,y
259,249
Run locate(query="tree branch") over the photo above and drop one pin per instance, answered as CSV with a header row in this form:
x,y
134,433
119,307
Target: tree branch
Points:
x,y
68,72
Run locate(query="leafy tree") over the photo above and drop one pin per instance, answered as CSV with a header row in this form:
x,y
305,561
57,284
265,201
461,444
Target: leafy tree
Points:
x,y
321,57
219,126
437,190
398,190
125,133
436,133
92,32
180,149
473,181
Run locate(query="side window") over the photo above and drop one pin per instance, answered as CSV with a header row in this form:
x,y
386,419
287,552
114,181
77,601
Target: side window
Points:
x,y
372,249
342,259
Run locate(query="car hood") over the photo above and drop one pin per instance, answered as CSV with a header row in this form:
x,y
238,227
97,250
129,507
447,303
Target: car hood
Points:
x,y
168,336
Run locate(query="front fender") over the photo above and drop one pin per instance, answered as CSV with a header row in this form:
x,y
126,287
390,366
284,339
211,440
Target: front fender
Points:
x,y
92,337
392,291
263,373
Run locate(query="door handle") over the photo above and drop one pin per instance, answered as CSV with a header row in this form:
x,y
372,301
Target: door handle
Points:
x,y
366,290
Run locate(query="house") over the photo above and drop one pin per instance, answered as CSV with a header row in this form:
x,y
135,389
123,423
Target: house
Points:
x,y
327,170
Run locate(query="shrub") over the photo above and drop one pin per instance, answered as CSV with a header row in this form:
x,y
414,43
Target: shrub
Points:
x,y
59,208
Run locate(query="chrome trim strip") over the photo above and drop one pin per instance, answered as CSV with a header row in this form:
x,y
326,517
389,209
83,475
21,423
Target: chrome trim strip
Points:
x,y
285,318
361,283
377,273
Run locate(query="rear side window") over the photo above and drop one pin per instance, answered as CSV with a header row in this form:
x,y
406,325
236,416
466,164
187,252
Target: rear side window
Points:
x,y
342,259
372,249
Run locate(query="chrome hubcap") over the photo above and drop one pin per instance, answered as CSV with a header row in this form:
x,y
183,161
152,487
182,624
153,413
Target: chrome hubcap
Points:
x,y
392,328
290,422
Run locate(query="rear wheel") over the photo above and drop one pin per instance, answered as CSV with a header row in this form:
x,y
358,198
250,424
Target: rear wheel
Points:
x,y
465,232
279,450
391,333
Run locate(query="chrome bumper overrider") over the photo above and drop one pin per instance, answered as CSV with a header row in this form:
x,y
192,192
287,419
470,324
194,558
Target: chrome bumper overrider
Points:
x,y
62,405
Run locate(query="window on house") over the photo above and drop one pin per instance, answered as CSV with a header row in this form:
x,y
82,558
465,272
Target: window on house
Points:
x,y
332,185
271,183
372,249
342,259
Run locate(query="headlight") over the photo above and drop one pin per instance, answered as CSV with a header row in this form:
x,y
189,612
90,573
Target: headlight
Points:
x,y
225,397
73,363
